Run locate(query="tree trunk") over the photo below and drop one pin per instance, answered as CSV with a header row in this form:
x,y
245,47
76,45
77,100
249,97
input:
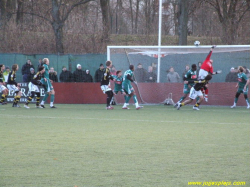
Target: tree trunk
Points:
x,y
105,19
183,21
136,16
19,14
57,25
132,16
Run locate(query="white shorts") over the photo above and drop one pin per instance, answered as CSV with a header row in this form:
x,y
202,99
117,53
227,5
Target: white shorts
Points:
x,y
193,93
2,88
202,74
12,88
33,88
105,88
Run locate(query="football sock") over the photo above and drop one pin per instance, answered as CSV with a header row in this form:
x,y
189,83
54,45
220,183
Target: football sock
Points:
x,y
197,104
235,100
127,99
109,97
37,101
17,99
246,98
3,98
28,100
42,102
52,98
45,98
206,91
181,99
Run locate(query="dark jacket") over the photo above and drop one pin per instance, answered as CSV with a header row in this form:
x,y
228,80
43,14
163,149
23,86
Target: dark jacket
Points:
x,y
88,78
231,77
153,75
78,75
53,76
66,76
140,75
98,75
30,77
38,66
26,68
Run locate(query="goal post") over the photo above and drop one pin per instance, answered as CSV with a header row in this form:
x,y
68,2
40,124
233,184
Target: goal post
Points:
x,y
225,57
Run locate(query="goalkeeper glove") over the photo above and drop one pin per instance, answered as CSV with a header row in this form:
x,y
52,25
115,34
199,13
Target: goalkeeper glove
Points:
x,y
218,71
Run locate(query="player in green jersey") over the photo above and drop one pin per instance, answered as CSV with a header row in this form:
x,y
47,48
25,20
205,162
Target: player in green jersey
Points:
x,y
242,85
48,86
118,84
189,76
3,89
128,88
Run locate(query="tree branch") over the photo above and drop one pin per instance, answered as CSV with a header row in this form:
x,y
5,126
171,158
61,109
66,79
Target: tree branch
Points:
x,y
40,16
81,2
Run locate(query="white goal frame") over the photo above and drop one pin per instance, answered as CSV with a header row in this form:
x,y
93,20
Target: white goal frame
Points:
x,y
169,47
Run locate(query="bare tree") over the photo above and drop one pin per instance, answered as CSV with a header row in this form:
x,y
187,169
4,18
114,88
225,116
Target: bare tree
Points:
x,y
230,13
105,19
183,21
58,14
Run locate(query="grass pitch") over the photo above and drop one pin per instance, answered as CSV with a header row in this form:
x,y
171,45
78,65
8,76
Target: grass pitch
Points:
x,y
88,146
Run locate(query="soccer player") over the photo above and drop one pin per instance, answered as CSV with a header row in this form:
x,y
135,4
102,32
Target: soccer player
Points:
x,y
196,92
118,83
48,86
33,88
190,75
207,68
242,85
128,88
3,89
105,84
12,85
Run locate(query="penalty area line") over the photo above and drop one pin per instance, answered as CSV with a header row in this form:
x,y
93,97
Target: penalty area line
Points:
x,y
114,119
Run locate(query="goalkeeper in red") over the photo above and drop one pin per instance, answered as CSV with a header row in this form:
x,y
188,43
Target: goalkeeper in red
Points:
x,y
128,88
242,85
207,68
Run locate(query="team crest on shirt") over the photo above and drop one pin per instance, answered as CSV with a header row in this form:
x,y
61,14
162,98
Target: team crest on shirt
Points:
x,y
193,77
240,79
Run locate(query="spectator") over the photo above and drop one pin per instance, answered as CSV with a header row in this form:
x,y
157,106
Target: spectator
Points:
x,y
53,75
140,73
88,77
173,76
26,70
113,70
78,74
232,75
66,76
199,67
99,73
6,74
187,68
151,76
32,74
40,63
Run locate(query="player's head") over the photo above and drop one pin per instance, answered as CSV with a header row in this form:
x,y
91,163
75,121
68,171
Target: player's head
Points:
x,y
240,69
211,61
139,65
46,61
119,73
14,67
41,69
199,64
109,64
208,77
132,67
101,66
194,67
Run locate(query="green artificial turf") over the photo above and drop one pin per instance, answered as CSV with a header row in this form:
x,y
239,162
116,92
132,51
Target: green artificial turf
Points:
x,y
88,146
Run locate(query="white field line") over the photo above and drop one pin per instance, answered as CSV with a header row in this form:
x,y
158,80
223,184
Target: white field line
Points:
x,y
114,119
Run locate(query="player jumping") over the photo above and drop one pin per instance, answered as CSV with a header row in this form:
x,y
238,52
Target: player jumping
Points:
x,y
33,88
105,84
48,86
12,85
129,90
190,75
207,68
3,89
242,85
196,92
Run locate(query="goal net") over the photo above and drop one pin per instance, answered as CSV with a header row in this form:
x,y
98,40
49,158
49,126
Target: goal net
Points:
x,y
152,66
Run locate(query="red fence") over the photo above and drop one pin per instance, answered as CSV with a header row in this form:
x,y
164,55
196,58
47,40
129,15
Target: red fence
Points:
x,y
90,93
